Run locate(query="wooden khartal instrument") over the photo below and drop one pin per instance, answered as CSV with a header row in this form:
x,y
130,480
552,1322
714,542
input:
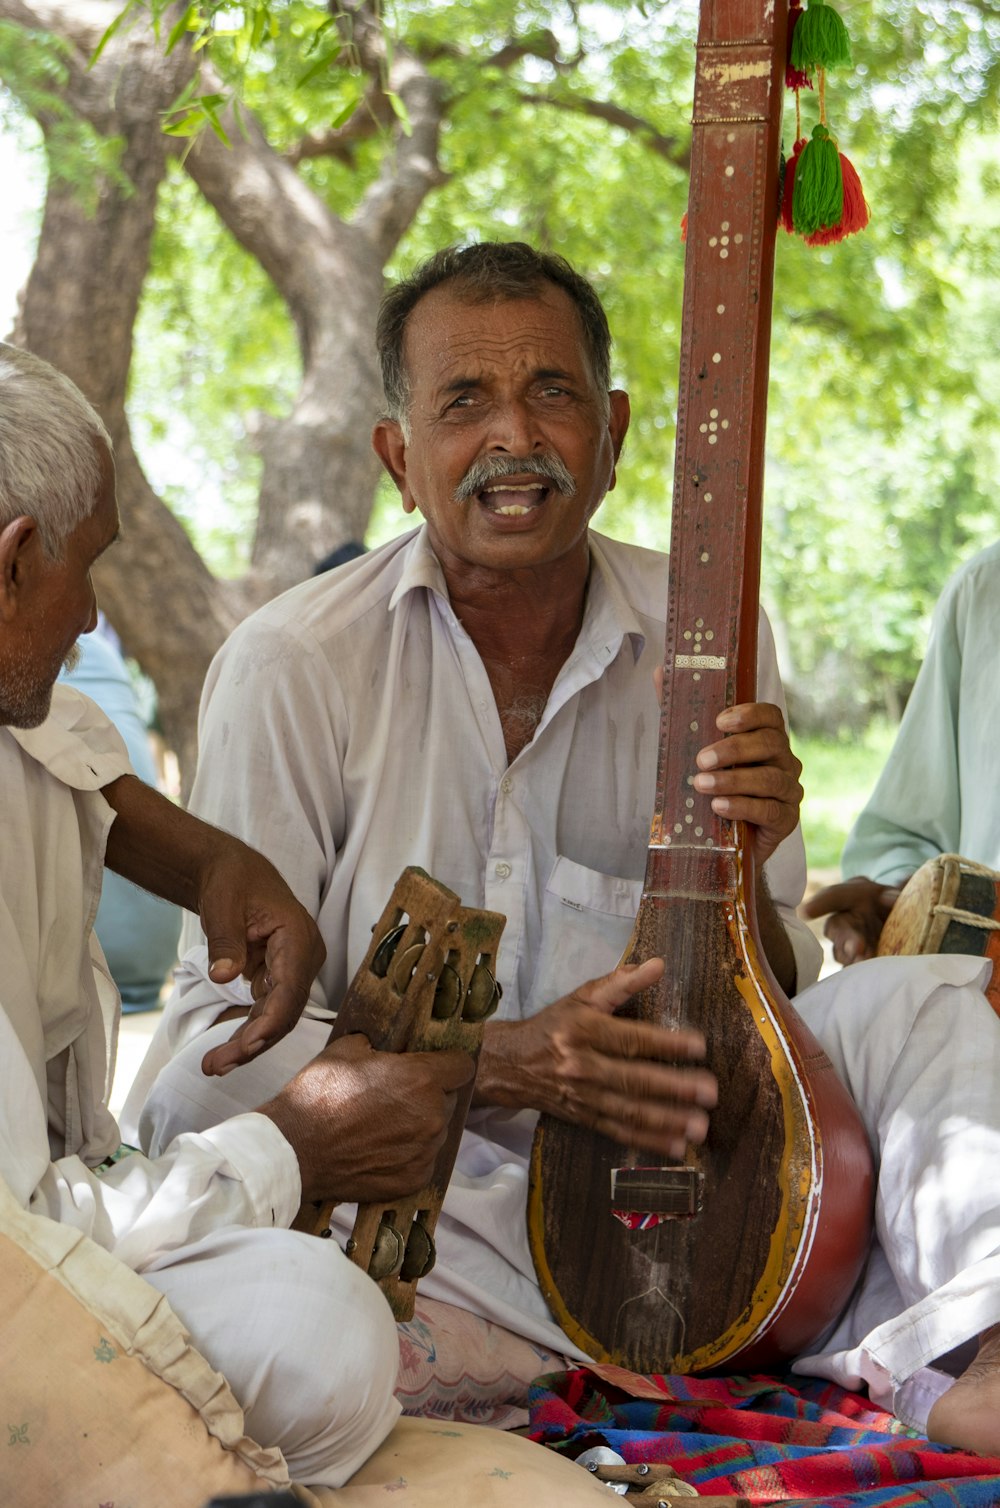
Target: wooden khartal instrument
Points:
x,y
428,981
748,1249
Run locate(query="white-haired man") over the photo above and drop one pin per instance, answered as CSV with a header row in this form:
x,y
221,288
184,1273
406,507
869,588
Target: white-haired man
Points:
x,y
304,1338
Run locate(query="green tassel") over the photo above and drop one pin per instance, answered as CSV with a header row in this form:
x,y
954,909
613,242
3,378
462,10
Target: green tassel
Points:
x,y
820,39
818,191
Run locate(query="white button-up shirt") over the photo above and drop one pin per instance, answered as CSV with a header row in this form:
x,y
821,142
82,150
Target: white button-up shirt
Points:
x,y
349,729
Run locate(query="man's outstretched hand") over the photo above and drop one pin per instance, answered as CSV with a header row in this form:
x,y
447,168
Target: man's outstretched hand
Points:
x,y
256,927
855,912
253,923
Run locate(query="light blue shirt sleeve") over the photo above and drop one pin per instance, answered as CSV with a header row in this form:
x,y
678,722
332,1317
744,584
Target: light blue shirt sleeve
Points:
x,y
939,791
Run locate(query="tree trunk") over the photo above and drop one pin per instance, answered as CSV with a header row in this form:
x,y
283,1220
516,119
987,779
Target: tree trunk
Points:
x,y
80,303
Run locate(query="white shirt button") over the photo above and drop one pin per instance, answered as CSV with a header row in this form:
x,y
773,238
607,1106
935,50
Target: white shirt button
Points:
x,y
506,785
502,871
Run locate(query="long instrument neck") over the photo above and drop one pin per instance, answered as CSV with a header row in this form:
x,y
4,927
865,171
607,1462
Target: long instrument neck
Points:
x,y
711,640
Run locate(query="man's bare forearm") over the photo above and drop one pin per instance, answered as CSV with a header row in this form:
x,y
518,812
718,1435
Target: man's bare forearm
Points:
x,y
158,845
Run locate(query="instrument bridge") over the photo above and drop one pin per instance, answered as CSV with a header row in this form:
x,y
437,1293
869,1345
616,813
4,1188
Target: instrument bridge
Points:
x,y
644,1197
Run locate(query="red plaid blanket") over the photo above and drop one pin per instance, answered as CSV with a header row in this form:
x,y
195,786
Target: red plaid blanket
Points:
x,y
790,1440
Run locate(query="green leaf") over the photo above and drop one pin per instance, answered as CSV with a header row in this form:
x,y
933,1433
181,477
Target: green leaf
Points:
x,y
217,127
189,125
320,66
187,22
400,111
343,116
111,30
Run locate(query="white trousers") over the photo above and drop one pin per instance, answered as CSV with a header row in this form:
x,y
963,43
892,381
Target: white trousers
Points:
x,y
305,1340
919,1048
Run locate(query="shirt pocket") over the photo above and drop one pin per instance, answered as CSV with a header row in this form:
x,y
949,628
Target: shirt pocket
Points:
x,y
587,920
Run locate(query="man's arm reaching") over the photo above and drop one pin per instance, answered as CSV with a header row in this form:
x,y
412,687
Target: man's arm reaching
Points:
x,y
253,923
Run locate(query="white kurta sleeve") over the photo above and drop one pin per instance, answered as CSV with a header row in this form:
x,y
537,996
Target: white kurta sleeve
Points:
x,y
241,1173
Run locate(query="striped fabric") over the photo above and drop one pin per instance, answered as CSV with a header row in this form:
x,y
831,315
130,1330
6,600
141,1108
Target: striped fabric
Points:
x,y
788,1440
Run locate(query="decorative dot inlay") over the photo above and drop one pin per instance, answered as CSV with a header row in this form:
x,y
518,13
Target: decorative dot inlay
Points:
x,y
699,623
704,557
699,832
708,499
716,357
730,170
713,413
720,309
694,727
725,224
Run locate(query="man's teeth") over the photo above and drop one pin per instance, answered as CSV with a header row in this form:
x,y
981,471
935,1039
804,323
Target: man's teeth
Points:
x,y
514,510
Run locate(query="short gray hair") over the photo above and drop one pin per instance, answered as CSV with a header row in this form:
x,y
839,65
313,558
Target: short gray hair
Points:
x,y
49,464
481,273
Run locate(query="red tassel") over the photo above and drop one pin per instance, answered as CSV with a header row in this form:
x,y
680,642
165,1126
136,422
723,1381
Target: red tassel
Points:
x,y
788,187
684,226
795,78
855,216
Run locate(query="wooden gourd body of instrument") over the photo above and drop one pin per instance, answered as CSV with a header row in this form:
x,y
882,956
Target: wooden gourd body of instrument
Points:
x,y
426,983
752,1246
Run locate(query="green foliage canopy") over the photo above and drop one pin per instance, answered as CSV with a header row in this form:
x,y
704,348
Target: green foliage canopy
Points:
x,y
882,433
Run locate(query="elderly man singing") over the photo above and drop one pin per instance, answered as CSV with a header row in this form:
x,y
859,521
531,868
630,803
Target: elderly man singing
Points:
x,y
304,1338
478,697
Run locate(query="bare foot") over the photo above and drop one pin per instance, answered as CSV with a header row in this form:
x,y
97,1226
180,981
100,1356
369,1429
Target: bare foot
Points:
x,y
968,1415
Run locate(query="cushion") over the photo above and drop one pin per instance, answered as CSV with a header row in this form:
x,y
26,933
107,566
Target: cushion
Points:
x,y
105,1401
455,1366
103,1398
426,1464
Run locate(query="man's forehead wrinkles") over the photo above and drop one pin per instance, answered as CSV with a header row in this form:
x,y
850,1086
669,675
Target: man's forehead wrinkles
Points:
x,y
475,360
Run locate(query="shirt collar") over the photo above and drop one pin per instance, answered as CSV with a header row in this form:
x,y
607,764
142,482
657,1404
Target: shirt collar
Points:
x,y
608,619
57,744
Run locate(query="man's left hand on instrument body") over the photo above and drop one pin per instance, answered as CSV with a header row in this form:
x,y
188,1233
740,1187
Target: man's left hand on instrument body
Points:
x,y
752,775
630,1080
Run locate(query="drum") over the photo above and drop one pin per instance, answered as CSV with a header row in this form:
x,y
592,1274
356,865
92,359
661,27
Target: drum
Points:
x,y
949,906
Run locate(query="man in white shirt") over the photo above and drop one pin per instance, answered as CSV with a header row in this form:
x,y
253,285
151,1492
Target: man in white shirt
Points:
x,y
478,698
304,1338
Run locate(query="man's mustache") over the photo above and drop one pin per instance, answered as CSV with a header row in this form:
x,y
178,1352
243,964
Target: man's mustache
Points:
x,y
494,468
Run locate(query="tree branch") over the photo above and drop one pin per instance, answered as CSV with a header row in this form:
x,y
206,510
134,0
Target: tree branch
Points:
x,y
669,147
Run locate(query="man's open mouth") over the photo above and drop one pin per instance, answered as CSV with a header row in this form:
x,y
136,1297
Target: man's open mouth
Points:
x,y
514,499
